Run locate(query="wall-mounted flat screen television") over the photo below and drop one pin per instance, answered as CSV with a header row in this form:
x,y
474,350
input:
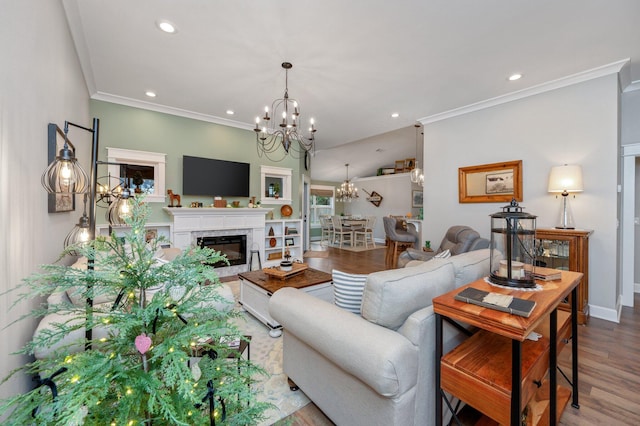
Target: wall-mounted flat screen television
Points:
x,y
212,177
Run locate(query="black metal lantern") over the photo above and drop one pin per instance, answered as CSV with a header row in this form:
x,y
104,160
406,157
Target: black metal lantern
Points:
x,y
513,247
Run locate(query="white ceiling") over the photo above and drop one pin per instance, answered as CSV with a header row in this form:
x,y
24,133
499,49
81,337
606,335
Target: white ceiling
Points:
x,y
354,62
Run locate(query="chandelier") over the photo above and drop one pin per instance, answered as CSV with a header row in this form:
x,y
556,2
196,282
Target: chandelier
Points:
x,y
286,133
417,176
347,190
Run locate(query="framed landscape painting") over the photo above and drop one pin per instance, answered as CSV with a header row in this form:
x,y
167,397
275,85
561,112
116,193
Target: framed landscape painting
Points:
x,y
490,183
416,199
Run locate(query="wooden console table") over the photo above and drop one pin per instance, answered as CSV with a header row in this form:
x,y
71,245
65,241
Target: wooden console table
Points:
x,y
482,387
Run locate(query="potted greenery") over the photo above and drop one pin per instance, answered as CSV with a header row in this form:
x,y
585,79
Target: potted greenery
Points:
x,y
151,368
276,190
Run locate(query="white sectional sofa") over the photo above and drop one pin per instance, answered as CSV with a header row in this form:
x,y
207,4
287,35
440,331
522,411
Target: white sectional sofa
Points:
x,y
377,368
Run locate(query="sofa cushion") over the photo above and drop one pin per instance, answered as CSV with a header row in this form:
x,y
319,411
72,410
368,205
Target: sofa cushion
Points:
x,y
347,290
470,266
73,341
78,295
443,255
391,296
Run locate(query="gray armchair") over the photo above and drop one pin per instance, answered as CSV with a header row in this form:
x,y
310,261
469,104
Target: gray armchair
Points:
x,y
458,239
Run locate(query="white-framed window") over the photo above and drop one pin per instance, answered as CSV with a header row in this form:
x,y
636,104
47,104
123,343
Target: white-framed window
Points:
x,y
144,165
322,203
275,184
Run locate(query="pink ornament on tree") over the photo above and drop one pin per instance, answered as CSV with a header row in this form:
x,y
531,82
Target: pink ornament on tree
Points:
x,y
143,343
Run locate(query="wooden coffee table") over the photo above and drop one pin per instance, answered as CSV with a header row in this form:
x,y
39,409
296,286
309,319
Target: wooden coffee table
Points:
x,y
256,288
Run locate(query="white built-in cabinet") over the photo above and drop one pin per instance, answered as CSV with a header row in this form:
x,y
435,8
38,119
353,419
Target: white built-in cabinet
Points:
x,y
279,236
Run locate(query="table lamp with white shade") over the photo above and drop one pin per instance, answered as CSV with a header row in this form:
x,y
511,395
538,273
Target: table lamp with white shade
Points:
x,y
565,179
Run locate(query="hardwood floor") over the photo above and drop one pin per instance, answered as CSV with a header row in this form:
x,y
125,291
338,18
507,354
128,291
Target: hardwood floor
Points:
x,y
363,262
609,358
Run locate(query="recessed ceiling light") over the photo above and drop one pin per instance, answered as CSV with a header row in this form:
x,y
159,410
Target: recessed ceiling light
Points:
x,y
230,112
150,93
167,26
514,77
395,115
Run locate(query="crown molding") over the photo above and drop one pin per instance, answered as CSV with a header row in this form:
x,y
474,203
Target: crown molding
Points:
x,y
635,85
121,100
604,70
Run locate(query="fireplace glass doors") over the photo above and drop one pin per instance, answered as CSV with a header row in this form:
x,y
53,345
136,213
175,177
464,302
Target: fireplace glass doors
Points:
x,y
233,246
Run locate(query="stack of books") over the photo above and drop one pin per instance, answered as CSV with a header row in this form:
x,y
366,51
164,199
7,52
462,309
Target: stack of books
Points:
x,y
497,301
547,274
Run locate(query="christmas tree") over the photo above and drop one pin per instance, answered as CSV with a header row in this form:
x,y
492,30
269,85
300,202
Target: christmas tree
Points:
x,y
166,359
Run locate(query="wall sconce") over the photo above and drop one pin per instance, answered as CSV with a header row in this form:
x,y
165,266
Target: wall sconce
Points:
x,y
565,179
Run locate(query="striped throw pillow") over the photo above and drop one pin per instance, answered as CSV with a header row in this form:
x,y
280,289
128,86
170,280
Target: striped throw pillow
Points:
x,y
347,290
443,255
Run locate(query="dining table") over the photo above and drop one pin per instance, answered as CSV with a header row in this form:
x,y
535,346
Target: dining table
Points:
x,y
353,222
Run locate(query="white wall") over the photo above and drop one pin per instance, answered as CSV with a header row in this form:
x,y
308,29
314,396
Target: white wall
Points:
x,y
630,135
630,113
40,82
396,199
636,263
577,124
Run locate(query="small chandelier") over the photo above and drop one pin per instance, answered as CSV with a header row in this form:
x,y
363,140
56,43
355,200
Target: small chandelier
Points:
x,y
347,190
416,174
286,133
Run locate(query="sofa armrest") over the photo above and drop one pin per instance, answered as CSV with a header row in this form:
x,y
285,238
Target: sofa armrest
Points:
x,y
383,359
412,254
58,297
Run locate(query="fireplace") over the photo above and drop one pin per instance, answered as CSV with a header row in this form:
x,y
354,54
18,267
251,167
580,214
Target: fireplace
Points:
x,y
233,246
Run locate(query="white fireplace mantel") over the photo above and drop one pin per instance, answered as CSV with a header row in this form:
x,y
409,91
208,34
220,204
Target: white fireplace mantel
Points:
x,y
188,223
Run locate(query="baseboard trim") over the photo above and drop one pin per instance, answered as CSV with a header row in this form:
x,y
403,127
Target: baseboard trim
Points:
x,y
606,314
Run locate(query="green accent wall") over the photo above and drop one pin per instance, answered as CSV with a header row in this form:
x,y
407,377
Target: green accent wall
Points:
x,y
139,129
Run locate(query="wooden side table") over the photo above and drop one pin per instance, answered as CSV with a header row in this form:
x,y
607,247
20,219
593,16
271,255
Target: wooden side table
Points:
x,y
479,387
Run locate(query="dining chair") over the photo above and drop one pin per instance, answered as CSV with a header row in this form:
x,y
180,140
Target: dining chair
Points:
x,y
327,230
398,239
365,235
341,232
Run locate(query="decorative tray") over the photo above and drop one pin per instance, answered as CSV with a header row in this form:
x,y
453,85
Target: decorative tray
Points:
x,y
276,272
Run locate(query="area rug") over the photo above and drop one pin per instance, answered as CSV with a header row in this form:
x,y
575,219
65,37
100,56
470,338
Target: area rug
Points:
x,y
316,253
359,248
267,353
